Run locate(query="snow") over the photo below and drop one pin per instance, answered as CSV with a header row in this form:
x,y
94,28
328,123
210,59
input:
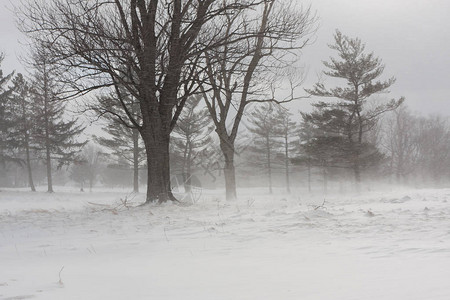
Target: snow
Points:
x,y
72,245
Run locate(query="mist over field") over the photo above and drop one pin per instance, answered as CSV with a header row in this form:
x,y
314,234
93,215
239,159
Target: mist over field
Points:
x,y
224,150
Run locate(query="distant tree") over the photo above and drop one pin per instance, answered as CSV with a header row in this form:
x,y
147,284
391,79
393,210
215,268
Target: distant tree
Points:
x,y
400,142
244,72
433,146
25,122
191,135
7,119
124,141
286,130
306,135
349,118
54,136
88,166
264,130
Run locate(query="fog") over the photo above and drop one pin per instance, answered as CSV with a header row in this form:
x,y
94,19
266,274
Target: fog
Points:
x,y
203,184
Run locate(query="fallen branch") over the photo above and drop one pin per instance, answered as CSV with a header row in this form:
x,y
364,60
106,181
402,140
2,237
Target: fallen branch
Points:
x,y
320,206
60,282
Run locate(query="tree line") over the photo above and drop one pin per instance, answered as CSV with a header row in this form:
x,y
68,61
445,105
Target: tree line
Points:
x,y
147,66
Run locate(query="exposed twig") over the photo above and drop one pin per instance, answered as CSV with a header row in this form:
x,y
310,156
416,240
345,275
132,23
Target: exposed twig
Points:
x,y
60,282
320,206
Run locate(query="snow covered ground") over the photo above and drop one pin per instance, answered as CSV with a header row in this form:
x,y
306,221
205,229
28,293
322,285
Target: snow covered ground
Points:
x,y
72,245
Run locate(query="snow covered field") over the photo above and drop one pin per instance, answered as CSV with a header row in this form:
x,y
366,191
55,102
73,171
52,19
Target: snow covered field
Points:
x,y
72,245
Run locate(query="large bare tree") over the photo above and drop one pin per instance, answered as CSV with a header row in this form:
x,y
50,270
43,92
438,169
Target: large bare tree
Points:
x,y
246,72
150,48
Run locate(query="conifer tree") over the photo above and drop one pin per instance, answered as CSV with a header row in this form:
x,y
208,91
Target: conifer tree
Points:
x,y
124,140
7,118
190,136
54,135
25,122
264,127
286,129
348,118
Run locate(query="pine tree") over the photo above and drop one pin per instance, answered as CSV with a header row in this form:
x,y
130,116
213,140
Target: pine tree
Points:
x,y
7,119
286,129
123,137
55,137
348,118
126,144
25,122
264,127
190,136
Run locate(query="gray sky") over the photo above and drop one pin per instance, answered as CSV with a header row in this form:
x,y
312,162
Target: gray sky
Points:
x,y
412,37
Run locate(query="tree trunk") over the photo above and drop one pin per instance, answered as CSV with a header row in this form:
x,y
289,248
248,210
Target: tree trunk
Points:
x,y
49,171
135,160
357,172
47,133
325,179
229,171
269,165
309,175
48,158
30,174
158,181
187,180
286,163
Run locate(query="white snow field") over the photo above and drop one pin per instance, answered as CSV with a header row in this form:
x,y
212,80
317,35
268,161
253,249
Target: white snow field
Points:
x,y
72,245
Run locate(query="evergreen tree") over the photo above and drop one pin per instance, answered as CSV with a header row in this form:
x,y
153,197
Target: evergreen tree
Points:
x,y
55,137
123,137
286,129
25,121
264,127
306,133
344,122
7,119
190,136
126,145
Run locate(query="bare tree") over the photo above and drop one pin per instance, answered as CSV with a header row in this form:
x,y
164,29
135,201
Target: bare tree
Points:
x,y
88,167
243,72
434,147
150,48
401,142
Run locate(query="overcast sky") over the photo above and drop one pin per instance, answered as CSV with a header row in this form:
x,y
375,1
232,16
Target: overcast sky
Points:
x,y
412,37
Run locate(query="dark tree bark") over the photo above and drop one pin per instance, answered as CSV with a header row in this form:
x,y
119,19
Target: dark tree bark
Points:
x,y
149,48
229,170
136,150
